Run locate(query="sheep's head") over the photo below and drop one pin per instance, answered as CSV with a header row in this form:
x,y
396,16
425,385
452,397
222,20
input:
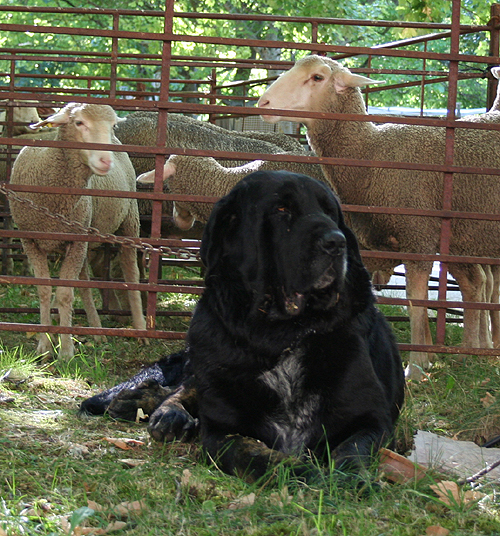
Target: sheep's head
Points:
x,y
88,123
20,114
311,85
182,217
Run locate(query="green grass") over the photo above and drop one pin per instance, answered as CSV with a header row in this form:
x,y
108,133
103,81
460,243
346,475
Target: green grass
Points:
x,y
52,462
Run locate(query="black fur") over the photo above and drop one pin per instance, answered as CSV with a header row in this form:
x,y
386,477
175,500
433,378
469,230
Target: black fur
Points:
x,y
288,352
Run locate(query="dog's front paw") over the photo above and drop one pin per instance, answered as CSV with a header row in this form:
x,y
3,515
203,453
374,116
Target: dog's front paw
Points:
x,y
170,422
147,396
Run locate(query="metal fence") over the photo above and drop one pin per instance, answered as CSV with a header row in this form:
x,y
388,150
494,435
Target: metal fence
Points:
x,y
139,77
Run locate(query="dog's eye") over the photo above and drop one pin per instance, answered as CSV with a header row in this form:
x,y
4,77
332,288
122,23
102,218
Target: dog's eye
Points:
x,y
284,211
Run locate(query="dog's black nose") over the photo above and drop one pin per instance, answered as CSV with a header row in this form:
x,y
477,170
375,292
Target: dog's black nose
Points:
x,y
333,242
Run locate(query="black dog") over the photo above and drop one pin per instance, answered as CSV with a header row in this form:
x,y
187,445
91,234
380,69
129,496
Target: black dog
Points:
x,y
287,353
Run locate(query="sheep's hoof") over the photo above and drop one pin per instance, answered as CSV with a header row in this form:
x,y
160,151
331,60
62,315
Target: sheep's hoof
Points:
x,y
45,345
414,372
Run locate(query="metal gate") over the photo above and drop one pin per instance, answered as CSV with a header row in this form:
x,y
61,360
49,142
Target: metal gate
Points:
x,y
142,80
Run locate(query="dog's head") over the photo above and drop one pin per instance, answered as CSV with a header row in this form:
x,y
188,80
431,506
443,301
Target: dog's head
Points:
x,y
280,238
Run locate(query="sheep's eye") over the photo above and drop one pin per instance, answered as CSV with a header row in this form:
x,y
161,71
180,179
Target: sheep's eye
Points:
x,y
317,78
78,123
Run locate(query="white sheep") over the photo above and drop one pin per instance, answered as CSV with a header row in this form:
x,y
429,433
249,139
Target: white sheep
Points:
x,y
192,175
20,114
77,168
319,84
141,128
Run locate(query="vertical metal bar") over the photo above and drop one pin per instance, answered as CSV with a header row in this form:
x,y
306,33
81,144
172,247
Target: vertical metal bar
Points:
x,y
114,57
448,177
494,24
213,94
422,87
367,88
9,160
161,138
314,32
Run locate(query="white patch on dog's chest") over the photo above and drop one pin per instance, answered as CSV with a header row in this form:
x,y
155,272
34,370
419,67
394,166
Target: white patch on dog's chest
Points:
x,y
293,419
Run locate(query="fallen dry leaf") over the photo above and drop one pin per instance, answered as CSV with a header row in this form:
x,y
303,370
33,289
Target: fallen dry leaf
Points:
x,y
436,530
280,498
130,462
471,496
242,502
116,525
124,443
93,531
488,400
65,525
447,491
126,508
95,506
186,475
450,493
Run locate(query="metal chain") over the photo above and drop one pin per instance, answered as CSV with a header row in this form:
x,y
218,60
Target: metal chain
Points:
x,y
78,228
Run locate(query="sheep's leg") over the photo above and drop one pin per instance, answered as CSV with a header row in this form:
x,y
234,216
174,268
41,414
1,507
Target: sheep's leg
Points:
x,y
495,298
116,299
485,338
417,284
38,261
471,279
71,268
88,302
128,260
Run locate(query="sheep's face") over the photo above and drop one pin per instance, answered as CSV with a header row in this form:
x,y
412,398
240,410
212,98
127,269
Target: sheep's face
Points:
x,y
92,128
89,123
299,89
313,84
21,114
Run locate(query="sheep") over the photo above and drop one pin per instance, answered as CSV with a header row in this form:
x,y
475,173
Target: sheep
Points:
x,y
82,168
140,128
45,134
20,114
318,84
205,176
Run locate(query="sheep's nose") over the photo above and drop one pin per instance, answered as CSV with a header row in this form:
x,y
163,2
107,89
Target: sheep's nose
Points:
x,y
262,102
106,161
333,242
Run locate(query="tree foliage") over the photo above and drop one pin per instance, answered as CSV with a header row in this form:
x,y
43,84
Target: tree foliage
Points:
x,y
77,73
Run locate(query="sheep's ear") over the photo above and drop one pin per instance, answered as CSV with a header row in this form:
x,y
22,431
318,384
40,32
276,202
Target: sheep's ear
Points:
x,y
169,170
495,71
58,119
147,178
345,79
44,110
182,217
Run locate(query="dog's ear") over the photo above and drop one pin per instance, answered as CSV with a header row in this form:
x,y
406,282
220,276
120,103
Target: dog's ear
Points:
x,y
358,279
219,225
338,216
352,244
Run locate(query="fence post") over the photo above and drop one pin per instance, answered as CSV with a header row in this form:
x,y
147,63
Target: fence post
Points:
x,y
494,23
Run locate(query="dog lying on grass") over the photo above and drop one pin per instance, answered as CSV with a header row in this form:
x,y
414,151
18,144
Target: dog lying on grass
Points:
x,y
287,355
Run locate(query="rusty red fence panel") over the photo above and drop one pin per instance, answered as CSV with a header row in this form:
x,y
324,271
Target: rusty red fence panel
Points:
x,y
140,91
